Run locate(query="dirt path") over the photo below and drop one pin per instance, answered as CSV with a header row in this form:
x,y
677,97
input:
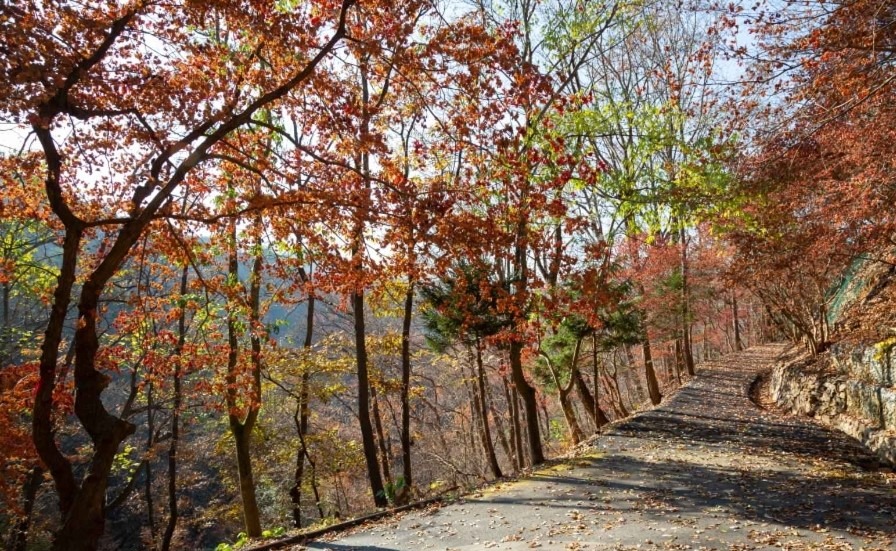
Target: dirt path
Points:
x,y
705,470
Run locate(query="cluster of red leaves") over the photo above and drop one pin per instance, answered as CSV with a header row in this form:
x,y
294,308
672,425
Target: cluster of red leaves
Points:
x,y
822,182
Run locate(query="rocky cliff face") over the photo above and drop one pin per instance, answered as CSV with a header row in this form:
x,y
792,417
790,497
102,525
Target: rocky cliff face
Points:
x,y
852,390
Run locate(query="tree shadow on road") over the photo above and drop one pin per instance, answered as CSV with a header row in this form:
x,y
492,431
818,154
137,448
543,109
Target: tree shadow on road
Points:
x,y
835,500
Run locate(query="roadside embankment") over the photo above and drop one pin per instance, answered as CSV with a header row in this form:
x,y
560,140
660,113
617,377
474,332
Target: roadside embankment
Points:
x,y
850,388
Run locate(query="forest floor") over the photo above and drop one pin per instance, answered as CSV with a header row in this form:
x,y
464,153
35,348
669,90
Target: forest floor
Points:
x,y
707,469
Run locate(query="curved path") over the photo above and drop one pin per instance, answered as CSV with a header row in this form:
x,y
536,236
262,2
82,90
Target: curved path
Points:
x,y
706,469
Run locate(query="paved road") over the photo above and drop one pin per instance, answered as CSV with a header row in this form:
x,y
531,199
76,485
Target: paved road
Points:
x,y
705,470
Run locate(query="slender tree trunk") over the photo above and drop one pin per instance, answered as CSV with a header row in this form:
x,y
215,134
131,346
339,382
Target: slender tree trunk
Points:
x,y
361,358
600,418
569,413
366,425
530,403
590,401
611,381
406,392
669,366
738,343
499,424
175,416
636,380
150,442
302,413
385,456
476,428
687,351
516,438
487,443
545,416
298,477
241,429
653,386
18,540
43,430
6,340
679,360
564,392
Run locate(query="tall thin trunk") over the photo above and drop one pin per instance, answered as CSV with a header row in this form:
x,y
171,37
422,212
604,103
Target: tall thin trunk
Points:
x,y
150,442
175,416
598,417
381,439
43,430
669,367
499,424
576,435
366,425
564,392
687,351
679,360
18,540
516,438
487,443
406,390
636,380
5,331
241,429
298,478
738,343
302,415
530,403
613,388
475,414
361,358
653,386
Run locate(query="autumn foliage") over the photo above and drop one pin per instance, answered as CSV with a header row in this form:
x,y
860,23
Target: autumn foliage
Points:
x,y
246,219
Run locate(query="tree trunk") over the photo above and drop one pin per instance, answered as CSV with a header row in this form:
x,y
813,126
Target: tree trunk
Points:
x,y
18,540
86,518
150,442
6,340
366,426
564,391
175,416
516,437
362,162
241,429
653,386
405,394
738,343
611,381
385,456
530,403
687,351
679,360
475,416
590,401
569,413
487,443
42,429
242,436
302,414
499,425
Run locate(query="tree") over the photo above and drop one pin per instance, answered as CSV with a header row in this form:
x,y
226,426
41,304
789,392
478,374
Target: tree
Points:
x,y
464,307
817,97
90,88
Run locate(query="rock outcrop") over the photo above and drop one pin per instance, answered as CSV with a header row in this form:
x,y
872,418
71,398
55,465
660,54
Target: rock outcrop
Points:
x,y
852,390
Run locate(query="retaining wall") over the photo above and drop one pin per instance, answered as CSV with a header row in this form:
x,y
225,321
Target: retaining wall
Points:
x,y
857,396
